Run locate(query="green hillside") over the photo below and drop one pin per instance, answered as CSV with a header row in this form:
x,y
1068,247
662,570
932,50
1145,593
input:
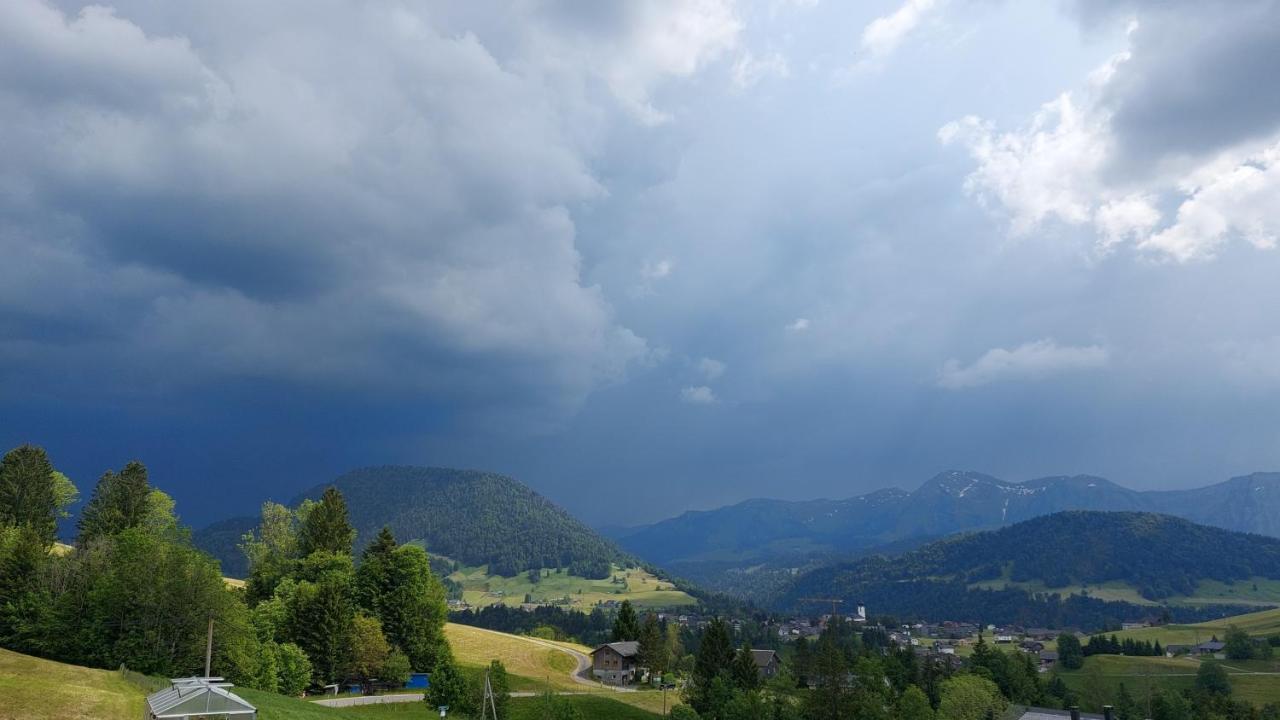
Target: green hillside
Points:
x,y
36,689
476,518
642,588
1082,569
1252,681
1259,624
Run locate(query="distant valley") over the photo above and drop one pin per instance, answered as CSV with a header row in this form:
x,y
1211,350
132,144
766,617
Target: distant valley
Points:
x,y
740,548
1074,568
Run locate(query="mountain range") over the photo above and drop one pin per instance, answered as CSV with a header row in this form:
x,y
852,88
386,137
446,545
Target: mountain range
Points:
x,y
715,546
1078,568
472,517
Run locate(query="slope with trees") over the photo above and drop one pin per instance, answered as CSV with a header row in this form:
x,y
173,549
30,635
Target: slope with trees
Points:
x,y
475,518
984,576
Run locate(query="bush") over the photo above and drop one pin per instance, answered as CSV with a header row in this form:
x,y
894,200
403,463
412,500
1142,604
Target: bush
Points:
x,y
293,670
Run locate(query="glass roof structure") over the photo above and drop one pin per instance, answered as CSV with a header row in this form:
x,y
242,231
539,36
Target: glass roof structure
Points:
x,y
198,697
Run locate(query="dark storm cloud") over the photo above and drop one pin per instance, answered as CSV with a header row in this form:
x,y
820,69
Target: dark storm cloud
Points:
x,y
1199,77
257,244
380,205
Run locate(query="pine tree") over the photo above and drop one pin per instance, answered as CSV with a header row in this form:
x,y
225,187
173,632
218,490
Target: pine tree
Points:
x,y
710,684
326,527
745,675
373,577
1126,706
626,626
831,699
652,645
119,502
28,495
414,610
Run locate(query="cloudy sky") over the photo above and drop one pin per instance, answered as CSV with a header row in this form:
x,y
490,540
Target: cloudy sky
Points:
x,y
647,255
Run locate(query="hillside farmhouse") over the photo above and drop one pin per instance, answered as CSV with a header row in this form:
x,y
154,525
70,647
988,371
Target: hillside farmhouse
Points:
x,y
615,663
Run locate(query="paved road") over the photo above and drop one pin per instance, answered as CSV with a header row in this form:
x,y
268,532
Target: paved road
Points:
x,y
370,700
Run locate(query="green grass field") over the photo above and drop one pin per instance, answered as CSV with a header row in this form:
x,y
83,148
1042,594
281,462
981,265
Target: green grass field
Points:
x,y
534,667
36,689
1247,593
523,708
1100,678
1262,623
642,588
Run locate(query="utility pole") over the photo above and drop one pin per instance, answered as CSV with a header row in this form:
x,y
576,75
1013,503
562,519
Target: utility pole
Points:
x,y
488,704
208,651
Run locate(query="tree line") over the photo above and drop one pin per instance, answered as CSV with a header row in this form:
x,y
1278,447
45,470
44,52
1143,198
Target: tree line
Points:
x,y
133,591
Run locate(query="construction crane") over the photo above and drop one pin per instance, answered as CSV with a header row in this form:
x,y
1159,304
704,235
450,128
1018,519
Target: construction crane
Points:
x,y
834,602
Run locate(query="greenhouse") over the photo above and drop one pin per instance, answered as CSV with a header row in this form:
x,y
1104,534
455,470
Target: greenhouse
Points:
x,y
203,698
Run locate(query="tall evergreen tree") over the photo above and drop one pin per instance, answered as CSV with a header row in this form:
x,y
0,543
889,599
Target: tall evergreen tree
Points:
x,y
321,614
119,502
1070,654
326,527
28,493
711,685
743,669
1127,707
626,626
373,582
414,610
832,698
653,645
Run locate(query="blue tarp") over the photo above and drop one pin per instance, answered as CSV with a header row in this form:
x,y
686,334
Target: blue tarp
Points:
x,y
418,681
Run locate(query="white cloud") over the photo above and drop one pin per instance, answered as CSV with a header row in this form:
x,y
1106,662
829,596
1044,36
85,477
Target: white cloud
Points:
x,y
798,325
698,395
749,69
884,34
671,38
657,270
711,368
1127,218
1057,168
1242,198
1029,361
1049,169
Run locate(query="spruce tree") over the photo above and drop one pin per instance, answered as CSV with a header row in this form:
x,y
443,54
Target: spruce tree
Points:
x,y
373,577
119,502
28,497
626,626
1126,706
653,645
743,669
326,527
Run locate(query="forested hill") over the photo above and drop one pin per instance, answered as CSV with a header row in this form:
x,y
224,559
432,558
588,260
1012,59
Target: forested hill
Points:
x,y
715,547
987,576
473,517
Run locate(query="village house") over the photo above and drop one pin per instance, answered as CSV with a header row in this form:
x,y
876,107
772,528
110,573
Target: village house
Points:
x,y
615,663
1048,659
1212,648
767,663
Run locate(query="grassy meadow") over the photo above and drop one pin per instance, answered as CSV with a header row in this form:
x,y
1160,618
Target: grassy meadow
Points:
x,y
1247,593
641,587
